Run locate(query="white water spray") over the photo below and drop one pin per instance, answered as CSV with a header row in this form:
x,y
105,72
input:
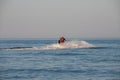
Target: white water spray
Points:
x,y
66,45
69,44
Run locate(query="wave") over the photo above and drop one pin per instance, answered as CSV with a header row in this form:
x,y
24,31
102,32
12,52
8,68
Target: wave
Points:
x,y
66,45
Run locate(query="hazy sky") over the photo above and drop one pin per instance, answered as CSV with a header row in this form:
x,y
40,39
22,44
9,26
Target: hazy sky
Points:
x,y
54,18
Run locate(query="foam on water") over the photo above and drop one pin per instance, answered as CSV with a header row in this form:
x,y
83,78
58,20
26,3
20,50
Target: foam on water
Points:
x,y
66,45
69,44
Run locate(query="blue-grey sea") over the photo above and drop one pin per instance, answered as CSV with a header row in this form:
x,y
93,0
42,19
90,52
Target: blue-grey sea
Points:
x,y
45,59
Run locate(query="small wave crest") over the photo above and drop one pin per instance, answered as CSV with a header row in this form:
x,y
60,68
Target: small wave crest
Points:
x,y
66,45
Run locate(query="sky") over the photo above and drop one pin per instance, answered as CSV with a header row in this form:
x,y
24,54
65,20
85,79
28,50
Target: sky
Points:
x,y
55,18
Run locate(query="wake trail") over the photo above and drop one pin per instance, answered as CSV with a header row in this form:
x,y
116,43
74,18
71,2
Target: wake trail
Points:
x,y
66,45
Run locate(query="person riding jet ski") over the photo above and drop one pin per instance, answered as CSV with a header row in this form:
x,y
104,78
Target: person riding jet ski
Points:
x,y
61,40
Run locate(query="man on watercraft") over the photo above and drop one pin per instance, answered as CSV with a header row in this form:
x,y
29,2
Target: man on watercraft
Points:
x,y
61,40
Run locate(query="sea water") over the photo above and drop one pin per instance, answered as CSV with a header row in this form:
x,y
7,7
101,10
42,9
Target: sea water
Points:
x,y
45,59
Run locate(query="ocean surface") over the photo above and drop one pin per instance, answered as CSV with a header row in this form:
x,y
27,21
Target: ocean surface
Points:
x,y
45,59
